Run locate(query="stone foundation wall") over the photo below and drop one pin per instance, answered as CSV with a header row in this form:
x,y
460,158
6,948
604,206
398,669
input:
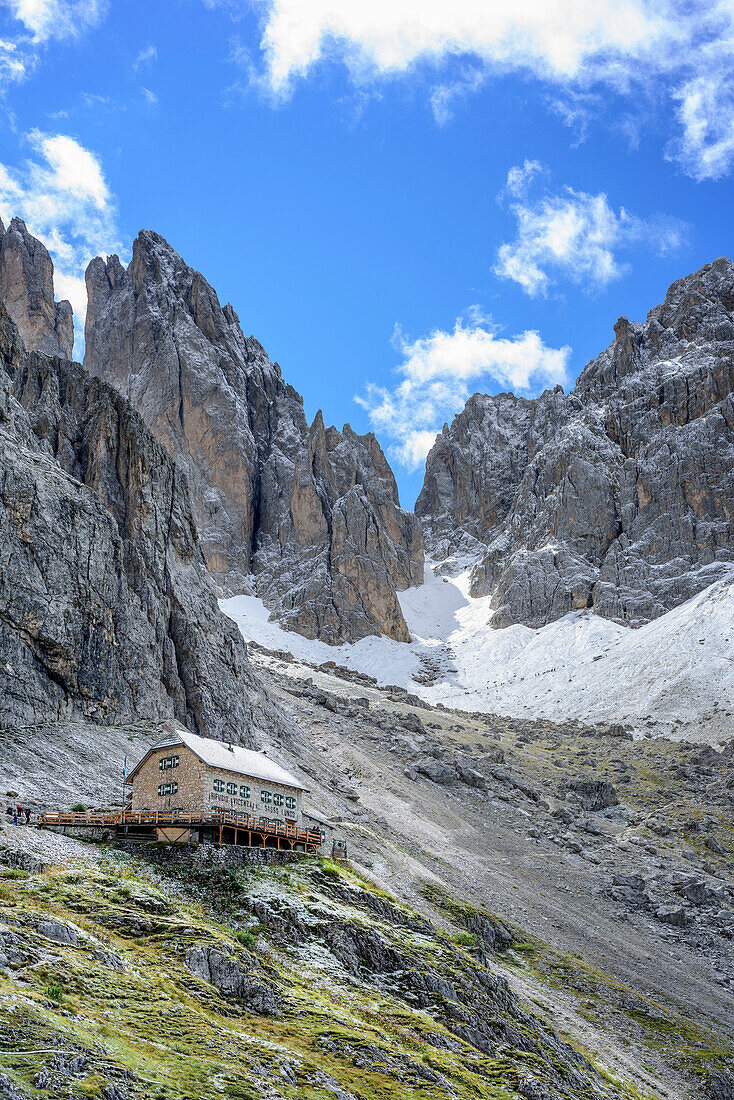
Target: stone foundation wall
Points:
x,y
200,855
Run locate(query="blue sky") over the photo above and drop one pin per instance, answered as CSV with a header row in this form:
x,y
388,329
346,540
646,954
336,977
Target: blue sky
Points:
x,y
405,202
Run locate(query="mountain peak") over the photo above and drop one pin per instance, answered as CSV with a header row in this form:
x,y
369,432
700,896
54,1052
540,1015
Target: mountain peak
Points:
x,y
615,498
27,290
309,517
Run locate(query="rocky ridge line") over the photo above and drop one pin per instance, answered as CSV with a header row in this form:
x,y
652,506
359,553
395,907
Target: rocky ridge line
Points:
x,y
617,497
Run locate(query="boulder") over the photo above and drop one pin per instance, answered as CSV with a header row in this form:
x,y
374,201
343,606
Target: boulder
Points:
x,y
720,1086
59,932
437,771
696,891
630,882
675,915
592,794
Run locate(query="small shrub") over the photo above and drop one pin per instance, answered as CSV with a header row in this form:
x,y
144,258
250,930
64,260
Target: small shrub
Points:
x,y
78,808
54,992
466,939
246,938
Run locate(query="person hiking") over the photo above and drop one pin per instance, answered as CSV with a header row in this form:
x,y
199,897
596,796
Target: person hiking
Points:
x,y
27,815
15,818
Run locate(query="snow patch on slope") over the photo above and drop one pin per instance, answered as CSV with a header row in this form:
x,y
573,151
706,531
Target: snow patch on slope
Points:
x,y
672,677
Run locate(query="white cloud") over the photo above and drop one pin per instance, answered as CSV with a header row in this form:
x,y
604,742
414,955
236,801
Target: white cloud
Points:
x,y
64,199
147,56
574,234
445,96
520,176
580,51
71,168
706,114
47,19
554,38
13,64
440,371
38,23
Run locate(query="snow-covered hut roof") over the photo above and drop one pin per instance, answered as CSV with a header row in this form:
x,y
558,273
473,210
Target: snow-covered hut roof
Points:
x,y
231,758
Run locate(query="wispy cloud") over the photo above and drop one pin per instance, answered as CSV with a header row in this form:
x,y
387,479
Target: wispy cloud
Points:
x,y
445,97
62,195
34,24
145,57
520,176
439,371
14,62
49,19
705,147
574,234
641,50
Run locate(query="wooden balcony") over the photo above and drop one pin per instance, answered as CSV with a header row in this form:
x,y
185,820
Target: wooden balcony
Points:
x,y
224,826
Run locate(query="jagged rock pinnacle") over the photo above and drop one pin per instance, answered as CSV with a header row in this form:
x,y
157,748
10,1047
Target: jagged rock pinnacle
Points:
x,y
27,290
310,516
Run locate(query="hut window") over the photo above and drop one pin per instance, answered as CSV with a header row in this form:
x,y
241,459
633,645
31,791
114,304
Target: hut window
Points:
x,y
167,762
290,802
231,788
244,791
219,785
266,796
166,789
277,799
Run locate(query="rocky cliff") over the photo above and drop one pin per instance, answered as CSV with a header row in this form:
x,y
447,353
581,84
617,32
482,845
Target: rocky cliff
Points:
x,y
27,291
106,610
308,516
618,497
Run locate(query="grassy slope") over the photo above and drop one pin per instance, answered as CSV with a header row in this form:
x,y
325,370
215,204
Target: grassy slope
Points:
x,y
146,1027
637,1022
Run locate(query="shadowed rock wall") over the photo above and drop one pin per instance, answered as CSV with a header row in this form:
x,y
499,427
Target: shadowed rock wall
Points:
x,y
106,610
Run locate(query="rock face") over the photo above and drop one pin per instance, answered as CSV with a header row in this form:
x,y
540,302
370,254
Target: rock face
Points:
x,y
308,515
248,985
106,610
618,497
27,290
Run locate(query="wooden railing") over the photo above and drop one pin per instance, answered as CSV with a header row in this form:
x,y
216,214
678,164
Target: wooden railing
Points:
x,y
224,818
